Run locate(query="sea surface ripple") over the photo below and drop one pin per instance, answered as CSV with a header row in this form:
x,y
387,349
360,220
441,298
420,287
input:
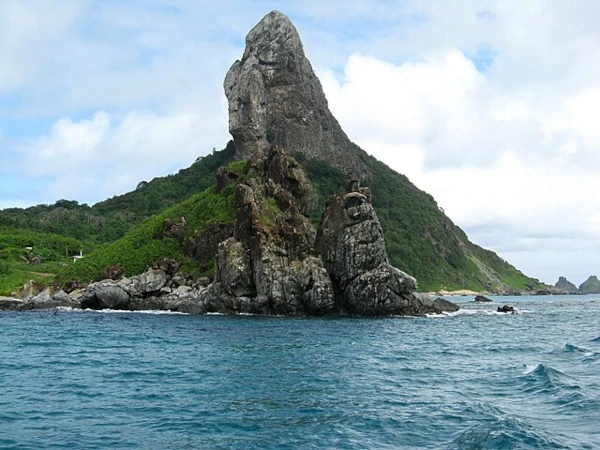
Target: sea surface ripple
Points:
x,y
470,380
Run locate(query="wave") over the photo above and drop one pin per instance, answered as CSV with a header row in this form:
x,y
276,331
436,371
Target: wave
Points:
x,y
545,380
496,429
570,348
588,355
595,339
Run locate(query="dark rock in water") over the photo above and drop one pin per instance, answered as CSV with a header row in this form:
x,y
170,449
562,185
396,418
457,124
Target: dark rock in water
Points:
x,y
590,286
482,299
275,98
565,285
445,305
506,309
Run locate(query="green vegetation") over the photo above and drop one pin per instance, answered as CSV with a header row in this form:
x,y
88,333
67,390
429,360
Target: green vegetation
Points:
x,y
27,255
420,239
124,230
109,220
138,248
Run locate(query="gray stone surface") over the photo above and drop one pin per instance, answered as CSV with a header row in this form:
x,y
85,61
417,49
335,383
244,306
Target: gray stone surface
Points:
x,y
275,98
151,281
350,238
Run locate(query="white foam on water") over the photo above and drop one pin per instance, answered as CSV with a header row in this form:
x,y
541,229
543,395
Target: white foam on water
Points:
x,y
474,312
530,368
121,311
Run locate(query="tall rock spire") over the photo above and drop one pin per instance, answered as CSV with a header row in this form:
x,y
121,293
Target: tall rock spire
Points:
x,y
275,98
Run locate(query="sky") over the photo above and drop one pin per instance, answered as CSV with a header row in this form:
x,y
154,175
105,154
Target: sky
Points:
x,y
491,107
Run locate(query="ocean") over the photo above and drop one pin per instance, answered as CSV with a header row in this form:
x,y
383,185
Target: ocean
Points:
x,y
475,379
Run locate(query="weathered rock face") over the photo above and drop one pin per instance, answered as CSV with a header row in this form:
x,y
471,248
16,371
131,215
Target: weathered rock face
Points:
x,y
275,98
202,246
275,262
29,290
565,285
269,265
351,243
350,238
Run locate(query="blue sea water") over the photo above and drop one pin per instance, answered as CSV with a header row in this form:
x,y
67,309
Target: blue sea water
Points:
x,y
471,380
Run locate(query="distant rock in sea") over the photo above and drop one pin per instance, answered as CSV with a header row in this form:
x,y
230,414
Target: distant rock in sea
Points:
x,y
565,285
590,286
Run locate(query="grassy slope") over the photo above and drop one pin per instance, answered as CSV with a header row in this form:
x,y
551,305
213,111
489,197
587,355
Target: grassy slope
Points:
x,y
109,220
51,248
420,239
141,246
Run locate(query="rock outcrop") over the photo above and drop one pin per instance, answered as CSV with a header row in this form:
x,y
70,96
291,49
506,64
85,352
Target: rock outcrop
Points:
x,y
506,309
565,285
590,286
275,98
270,266
276,262
350,240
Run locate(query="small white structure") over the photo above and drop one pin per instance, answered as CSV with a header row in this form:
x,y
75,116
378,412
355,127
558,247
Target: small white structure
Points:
x,y
78,257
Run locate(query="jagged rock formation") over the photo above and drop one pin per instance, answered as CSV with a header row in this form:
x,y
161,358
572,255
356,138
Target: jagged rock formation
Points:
x,y
277,264
566,286
350,241
275,98
590,286
269,265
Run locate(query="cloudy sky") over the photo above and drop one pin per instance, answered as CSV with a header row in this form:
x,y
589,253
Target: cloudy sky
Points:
x,y
492,107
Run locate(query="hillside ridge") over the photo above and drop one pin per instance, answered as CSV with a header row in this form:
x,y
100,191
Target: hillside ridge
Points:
x,y
275,99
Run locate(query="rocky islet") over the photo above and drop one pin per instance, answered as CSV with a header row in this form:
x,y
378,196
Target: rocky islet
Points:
x,y
272,260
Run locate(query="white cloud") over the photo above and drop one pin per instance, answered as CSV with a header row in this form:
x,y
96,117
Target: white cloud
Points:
x,y
514,168
94,158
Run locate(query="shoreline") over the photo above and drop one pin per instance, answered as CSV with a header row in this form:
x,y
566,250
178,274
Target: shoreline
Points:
x,y
457,293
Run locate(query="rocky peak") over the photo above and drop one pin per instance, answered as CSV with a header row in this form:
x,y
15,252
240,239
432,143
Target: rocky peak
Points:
x,y
590,286
275,98
566,285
